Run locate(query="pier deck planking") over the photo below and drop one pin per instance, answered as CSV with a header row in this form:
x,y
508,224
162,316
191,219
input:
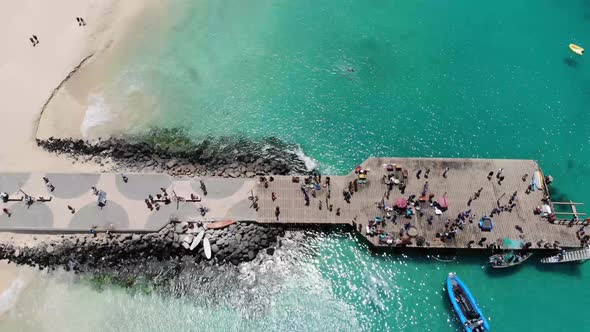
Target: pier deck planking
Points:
x,y
464,178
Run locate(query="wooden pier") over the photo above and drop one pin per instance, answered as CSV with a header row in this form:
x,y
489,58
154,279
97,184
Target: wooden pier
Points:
x,y
460,183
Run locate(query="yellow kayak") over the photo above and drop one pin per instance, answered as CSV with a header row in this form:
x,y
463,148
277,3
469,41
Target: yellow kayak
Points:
x,y
576,49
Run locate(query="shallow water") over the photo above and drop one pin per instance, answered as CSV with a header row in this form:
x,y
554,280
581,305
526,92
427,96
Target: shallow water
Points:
x,y
321,282
431,78
345,80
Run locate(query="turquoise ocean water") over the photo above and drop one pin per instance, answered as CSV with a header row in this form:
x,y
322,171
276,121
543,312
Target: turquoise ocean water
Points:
x,y
345,80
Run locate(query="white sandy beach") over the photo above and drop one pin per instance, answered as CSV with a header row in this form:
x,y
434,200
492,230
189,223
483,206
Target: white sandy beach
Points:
x,y
29,75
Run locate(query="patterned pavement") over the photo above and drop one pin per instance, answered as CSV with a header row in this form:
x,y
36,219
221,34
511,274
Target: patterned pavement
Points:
x,y
125,209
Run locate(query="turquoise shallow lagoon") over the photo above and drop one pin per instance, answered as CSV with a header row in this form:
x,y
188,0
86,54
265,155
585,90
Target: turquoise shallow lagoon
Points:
x,y
348,79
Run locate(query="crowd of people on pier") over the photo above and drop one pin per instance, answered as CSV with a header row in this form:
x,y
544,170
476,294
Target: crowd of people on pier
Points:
x,y
425,206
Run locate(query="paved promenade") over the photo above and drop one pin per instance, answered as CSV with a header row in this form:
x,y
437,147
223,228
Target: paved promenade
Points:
x,y
125,209
229,198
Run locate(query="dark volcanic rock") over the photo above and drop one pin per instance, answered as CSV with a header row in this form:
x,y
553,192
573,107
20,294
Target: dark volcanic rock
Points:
x,y
128,252
171,151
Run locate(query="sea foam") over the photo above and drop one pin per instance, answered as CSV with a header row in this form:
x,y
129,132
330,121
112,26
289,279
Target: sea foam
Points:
x,y
310,163
97,113
9,296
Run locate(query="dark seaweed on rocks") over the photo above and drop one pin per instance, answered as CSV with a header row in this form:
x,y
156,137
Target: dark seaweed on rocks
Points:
x,y
171,150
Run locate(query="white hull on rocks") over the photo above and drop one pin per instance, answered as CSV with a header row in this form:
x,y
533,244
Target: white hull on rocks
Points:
x,y
117,253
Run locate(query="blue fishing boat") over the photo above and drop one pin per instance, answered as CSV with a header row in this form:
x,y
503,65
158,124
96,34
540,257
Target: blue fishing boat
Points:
x,y
465,306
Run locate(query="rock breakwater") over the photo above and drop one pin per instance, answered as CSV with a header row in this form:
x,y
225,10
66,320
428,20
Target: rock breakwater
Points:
x,y
172,152
126,254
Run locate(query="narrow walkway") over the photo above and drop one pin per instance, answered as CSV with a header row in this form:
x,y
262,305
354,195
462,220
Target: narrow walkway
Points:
x,y
568,256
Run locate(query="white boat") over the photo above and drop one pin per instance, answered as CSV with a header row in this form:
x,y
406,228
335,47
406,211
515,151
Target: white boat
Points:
x,y
537,182
207,248
579,50
197,240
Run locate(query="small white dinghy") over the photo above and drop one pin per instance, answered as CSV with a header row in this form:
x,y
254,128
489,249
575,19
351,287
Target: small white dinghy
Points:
x,y
207,248
197,240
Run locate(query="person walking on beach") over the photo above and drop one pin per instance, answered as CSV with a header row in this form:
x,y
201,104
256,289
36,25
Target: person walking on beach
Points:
x,y
80,21
36,39
500,172
273,196
5,210
32,41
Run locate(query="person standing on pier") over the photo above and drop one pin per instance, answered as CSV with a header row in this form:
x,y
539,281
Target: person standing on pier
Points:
x,y
445,173
125,178
512,198
425,188
478,193
49,185
273,196
5,210
277,213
